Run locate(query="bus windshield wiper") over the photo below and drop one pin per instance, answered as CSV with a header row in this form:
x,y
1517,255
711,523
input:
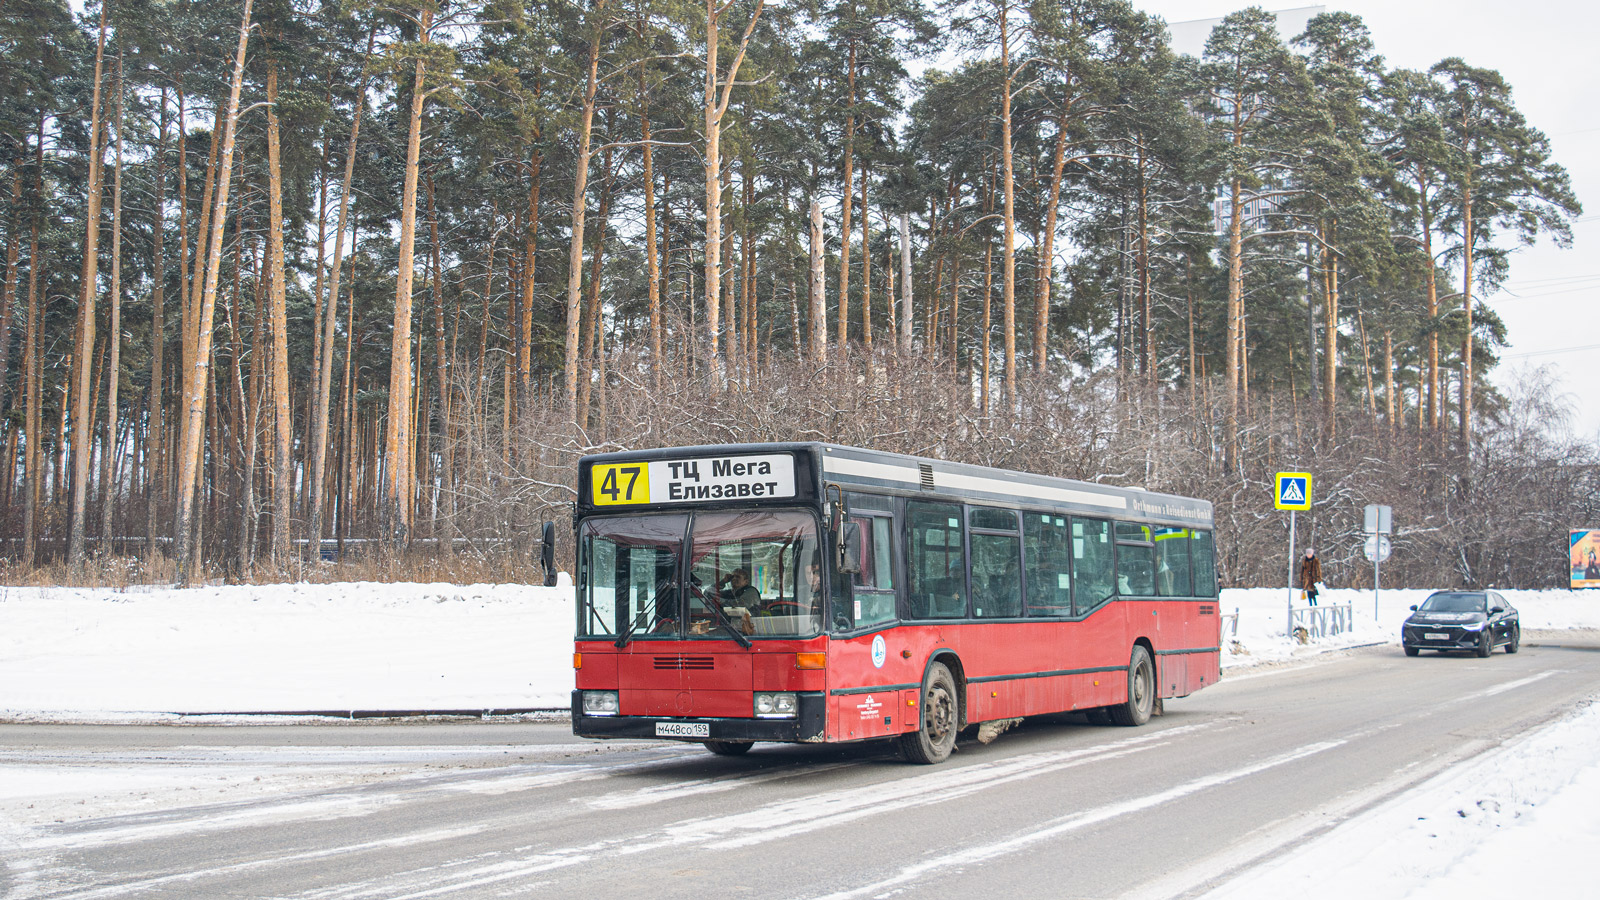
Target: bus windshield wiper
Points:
x,y
722,617
623,638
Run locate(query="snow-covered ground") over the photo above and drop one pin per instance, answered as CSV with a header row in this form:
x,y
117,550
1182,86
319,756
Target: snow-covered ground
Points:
x,y
69,654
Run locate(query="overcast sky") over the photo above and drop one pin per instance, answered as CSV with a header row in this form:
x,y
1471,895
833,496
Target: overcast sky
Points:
x,y
1545,49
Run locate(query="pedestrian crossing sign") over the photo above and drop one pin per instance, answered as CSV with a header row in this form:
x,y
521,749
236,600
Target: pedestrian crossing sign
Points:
x,y
1293,491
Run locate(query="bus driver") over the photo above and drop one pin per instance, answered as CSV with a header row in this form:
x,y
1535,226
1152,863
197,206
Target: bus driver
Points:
x,y
739,591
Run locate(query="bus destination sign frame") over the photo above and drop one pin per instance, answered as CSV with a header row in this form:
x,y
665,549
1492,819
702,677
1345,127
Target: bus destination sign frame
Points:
x,y
704,479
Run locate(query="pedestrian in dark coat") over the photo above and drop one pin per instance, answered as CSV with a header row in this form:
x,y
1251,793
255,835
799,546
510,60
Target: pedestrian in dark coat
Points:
x,y
1310,575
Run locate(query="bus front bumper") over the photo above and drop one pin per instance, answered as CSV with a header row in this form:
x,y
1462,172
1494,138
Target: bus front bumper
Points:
x,y
808,726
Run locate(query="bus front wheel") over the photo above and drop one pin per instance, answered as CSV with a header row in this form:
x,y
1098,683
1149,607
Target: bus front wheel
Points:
x,y
1141,690
939,717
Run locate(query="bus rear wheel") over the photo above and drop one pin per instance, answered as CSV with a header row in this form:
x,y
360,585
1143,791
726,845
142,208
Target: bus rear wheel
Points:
x,y
729,748
939,718
1141,690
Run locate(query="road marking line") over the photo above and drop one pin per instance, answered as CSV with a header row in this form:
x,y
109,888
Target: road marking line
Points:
x,y
117,890
1501,688
785,818
1065,824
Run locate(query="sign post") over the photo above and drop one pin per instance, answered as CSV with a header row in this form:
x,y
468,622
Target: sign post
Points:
x,y
1291,491
1378,523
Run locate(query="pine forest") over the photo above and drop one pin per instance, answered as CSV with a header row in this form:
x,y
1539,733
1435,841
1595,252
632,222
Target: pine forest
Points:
x,y
325,289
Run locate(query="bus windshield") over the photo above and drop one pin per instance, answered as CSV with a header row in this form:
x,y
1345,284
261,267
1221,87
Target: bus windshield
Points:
x,y
753,572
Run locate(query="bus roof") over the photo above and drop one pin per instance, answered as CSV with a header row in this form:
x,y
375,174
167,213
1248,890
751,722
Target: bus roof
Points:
x,y
877,471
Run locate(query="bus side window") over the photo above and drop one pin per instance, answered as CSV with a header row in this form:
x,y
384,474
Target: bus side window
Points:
x,y
1092,571
1205,564
1136,568
1049,570
996,563
873,594
935,566
1172,562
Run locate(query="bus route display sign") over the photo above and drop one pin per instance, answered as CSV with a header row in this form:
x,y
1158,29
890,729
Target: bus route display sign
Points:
x,y
756,477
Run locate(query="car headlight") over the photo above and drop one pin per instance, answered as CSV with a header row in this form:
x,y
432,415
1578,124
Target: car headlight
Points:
x,y
600,703
778,705
1473,626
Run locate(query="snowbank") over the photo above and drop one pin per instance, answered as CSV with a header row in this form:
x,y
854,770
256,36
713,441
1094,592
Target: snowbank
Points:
x,y
284,648
90,654
1262,632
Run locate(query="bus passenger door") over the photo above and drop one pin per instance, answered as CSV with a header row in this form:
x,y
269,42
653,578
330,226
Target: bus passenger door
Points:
x,y
865,652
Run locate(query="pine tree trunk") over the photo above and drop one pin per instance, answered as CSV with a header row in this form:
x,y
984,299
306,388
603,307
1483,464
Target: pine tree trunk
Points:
x,y
906,299
441,366
529,273
580,184
1435,394
1046,261
849,185
397,490
866,262
330,312
652,265
1009,291
1330,349
716,105
156,427
1233,319
82,423
108,489
1467,239
32,477
196,376
282,413
819,310
8,287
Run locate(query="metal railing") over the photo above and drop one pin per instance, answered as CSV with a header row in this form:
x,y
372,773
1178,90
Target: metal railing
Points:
x,y
1230,623
1321,621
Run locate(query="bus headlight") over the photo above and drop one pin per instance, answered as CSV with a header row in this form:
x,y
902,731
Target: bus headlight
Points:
x,y
600,703
780,705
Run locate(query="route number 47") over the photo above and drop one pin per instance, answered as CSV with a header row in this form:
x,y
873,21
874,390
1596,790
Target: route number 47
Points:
x,y
617,484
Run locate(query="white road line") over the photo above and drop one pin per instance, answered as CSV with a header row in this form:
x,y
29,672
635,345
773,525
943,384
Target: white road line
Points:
x,y
681,789
1508,686
128,887
773,821
1065,824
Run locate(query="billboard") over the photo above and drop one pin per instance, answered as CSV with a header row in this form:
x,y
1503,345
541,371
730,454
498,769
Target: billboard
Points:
x,y
1585,558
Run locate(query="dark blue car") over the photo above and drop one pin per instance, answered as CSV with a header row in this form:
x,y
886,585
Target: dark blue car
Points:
x,y
1478,621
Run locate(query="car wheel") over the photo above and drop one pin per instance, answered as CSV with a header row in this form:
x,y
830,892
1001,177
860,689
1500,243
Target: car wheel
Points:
x,y
1486,643
1141,691
728,748
940,718
1515,642
1413,651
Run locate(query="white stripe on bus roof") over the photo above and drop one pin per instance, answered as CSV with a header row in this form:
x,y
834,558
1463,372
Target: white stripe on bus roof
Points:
x,y
913,476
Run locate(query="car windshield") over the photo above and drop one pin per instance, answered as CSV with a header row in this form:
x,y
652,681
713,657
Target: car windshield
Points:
x,y
754,572
1454,602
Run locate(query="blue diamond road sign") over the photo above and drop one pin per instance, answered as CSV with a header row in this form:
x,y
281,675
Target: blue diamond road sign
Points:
x,y
1293,491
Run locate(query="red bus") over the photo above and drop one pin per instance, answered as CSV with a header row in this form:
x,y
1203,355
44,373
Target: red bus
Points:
x,y
808,592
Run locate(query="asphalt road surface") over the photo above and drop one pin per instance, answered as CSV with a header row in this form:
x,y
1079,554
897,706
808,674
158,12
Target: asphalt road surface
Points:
x,y
1055,808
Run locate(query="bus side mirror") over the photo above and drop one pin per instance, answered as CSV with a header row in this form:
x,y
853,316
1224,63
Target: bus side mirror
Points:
x,y
849,555
547,554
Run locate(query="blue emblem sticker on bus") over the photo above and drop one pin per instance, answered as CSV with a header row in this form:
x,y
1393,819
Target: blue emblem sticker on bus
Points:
x,y
880,651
